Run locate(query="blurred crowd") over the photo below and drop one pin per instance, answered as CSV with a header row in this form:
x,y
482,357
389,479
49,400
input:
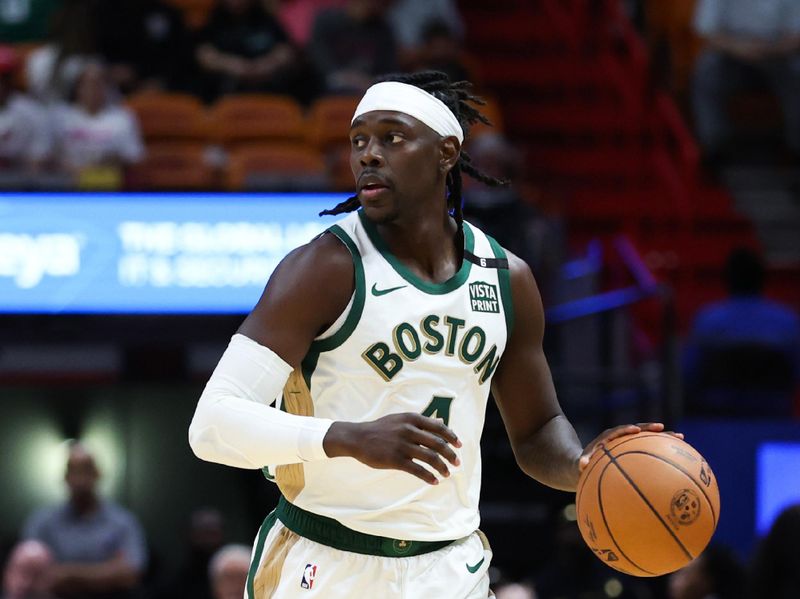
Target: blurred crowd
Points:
x,y
67,67
89,547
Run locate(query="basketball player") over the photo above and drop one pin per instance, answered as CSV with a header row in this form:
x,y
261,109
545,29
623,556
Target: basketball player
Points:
x,y
399,319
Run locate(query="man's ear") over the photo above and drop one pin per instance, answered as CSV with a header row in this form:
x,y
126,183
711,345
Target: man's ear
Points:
x,y
449,153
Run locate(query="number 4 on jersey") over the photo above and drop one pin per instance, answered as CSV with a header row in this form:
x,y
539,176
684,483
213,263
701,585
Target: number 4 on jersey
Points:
x,y
439,408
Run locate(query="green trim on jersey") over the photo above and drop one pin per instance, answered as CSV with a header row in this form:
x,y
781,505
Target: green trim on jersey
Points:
x,y
333,533
504,276
309,363
269,522
449,285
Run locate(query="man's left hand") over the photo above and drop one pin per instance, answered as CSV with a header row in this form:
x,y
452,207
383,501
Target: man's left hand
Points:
x,y
620,431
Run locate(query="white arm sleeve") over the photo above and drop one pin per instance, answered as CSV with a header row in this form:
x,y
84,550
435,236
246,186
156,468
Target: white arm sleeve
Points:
x,y
234,423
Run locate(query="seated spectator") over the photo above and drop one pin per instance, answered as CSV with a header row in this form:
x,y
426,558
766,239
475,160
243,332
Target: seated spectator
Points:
x,y
145,43
228,571
95,130
99,547
776,566
25,139
440,50
52,70
25,20
28,571
716,574
410,18
243,48
515,590
350,46
505,215
746,43
297,17
743,353
206,537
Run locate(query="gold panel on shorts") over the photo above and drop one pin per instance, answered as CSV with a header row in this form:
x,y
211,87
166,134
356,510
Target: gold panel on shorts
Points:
x,y
290,478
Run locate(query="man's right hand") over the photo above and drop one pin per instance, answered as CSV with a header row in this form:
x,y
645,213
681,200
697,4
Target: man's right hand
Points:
x,y
395,442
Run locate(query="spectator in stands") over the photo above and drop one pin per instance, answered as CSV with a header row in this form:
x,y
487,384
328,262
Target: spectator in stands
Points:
x,y
506,215
25,139
410,18
776,566
440,50
228,571
146,44
28,571
515,590
206,537
743,353
716,574
297,17
25,20
352,45
95,130
99,547
52,70
745,41
243,48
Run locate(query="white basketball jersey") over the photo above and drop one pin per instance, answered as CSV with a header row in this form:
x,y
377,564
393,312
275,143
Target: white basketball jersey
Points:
x,y
405,345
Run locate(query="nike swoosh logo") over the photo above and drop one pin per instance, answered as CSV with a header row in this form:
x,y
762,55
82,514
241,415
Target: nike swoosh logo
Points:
x,y
378,292
476,567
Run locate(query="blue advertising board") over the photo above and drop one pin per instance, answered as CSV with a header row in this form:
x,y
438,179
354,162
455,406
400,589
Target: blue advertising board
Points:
x,y
148,253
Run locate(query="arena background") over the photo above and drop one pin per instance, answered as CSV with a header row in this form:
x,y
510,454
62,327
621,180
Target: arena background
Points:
x,y
121,281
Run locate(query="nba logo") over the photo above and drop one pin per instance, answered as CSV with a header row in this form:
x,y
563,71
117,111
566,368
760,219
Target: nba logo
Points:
x,y
308,576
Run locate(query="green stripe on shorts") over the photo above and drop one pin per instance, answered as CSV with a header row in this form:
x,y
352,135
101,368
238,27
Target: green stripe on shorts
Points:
x,y
269,522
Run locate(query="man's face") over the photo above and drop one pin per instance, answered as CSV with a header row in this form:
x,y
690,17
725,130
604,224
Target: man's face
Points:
x,y
231,581
396,161
92,92
690,582
27,573
81,474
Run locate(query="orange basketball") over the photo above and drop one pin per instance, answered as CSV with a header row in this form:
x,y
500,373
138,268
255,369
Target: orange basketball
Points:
x,y
647,504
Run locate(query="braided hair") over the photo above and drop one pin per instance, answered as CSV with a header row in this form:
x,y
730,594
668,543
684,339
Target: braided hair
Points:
x,y
454,95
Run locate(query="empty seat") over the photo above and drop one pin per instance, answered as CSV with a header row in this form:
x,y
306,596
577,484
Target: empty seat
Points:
x,y
195,12
168,116
277,166
256,117
173,166
329,120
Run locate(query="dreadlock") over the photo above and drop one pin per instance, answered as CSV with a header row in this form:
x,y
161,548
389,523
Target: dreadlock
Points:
x,y
454,95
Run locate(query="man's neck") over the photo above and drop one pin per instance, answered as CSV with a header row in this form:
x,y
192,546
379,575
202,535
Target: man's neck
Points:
x,y
85,507
426,243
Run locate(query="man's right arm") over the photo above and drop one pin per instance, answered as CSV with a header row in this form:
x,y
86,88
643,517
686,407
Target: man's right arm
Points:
x,y
234,423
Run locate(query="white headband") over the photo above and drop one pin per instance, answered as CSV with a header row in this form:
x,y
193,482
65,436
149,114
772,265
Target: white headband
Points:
x,y
413,101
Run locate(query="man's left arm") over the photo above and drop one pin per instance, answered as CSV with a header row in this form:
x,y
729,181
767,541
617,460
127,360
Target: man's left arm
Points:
x,y
545,444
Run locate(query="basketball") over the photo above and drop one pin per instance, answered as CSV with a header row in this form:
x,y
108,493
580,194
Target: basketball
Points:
x,y
647,504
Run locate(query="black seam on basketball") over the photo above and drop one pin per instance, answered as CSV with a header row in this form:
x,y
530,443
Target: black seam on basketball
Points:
x,y
608,528
585,474
602,446
681,469
650,505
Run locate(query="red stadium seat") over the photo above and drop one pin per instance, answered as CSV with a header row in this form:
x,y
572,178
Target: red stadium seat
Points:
x,y
256,117
167,116
276,166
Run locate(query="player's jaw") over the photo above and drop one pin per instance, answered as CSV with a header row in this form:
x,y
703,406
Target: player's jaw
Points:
x,y
376,194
